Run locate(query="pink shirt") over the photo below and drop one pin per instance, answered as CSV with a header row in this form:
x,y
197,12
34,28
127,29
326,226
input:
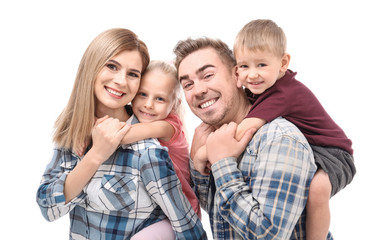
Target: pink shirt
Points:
x,y
178,151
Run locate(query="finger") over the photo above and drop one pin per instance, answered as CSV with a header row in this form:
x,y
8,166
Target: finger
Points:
x,y
247,137
122,132
100,120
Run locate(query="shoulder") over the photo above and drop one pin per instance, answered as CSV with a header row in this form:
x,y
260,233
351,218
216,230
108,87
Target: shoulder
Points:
x,y
280,128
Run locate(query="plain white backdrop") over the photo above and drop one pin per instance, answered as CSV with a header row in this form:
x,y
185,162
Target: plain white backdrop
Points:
x,y
335,48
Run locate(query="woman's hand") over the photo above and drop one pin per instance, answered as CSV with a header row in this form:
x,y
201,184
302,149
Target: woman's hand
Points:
x,y
107,134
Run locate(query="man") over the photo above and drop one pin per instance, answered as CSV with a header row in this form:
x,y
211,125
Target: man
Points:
x,y
262,193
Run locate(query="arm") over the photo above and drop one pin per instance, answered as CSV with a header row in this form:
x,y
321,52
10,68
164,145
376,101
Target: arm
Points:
x,y
66,175
270,201
163,185
158,129
248,123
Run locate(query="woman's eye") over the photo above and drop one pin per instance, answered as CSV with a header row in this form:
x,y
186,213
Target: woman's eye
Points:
x,y
111,66
133,74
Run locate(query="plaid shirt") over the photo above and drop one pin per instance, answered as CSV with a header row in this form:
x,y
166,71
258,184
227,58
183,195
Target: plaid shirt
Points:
x,y
261,195
136,187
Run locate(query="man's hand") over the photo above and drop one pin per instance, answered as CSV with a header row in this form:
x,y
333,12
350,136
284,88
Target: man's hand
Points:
x,y
200,137
222,143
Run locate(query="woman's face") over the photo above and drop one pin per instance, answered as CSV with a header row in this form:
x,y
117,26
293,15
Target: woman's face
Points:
x,y
117,83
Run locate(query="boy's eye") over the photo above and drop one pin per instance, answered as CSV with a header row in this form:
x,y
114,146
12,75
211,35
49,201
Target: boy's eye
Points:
x,y
160,99
142,94
243,66
261,65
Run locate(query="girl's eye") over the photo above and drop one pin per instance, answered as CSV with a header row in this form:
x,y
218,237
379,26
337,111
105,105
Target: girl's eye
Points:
x,y
243,66
261,65
160,99
142,94
111,66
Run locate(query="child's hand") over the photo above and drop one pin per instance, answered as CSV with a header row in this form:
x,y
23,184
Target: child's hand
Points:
x,y
201,163
222,143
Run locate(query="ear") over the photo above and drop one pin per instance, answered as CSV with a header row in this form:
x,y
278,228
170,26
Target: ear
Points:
x,y
236,77
285,62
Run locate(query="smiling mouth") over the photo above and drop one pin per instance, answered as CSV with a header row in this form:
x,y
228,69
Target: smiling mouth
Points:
x,y
207,104
117,93
147,114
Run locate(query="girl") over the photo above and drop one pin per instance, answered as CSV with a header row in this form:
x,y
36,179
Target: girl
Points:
x,y
158,107
100,190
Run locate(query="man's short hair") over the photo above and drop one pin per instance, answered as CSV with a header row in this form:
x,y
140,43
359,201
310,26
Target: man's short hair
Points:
x,y
188,46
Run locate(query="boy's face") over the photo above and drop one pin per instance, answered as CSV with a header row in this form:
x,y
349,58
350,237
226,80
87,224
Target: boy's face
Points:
x,y
259,70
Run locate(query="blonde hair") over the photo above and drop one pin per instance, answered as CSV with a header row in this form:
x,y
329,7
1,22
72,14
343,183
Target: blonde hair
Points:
x,y
170,70
75,123
263,35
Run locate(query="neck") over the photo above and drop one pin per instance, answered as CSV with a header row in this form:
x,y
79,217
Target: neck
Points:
x,y
119,114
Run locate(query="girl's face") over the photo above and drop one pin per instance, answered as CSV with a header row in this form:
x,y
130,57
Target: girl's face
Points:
x,y
155,98
117,83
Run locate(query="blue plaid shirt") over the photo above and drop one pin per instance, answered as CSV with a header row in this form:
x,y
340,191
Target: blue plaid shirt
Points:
x,y
261,195
136,187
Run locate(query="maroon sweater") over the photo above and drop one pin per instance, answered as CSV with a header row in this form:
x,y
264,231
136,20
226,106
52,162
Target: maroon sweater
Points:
x,y
292,100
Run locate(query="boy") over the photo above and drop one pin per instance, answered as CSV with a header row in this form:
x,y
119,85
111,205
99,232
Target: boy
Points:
x,y
262,67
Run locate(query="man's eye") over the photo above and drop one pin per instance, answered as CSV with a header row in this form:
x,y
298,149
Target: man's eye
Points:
x,y
187,86
209,75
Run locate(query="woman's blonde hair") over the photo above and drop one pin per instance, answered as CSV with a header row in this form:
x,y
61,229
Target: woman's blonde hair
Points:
x,y
75,123
263,35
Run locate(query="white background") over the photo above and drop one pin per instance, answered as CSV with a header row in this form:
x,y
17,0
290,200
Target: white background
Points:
x,y
335,48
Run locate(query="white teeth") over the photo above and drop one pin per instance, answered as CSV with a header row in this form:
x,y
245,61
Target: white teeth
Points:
x,y
207,104
113,92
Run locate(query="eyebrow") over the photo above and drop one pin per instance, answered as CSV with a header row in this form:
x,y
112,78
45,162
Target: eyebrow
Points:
x,y
201,69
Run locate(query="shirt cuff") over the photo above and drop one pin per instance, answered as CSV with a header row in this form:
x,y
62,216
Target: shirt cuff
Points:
x,y
225,171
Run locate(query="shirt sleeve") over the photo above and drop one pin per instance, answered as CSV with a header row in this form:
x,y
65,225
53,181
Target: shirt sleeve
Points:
x,y
158,175
200,186
269,203
50,195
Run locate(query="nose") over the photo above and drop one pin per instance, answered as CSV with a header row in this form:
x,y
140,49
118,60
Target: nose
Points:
x,y
120,79
149,103
200,88
253,73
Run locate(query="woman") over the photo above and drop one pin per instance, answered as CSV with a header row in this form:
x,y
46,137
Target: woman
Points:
x,y
101,189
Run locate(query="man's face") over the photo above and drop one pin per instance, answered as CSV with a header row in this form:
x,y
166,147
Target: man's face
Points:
x,y
209,86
